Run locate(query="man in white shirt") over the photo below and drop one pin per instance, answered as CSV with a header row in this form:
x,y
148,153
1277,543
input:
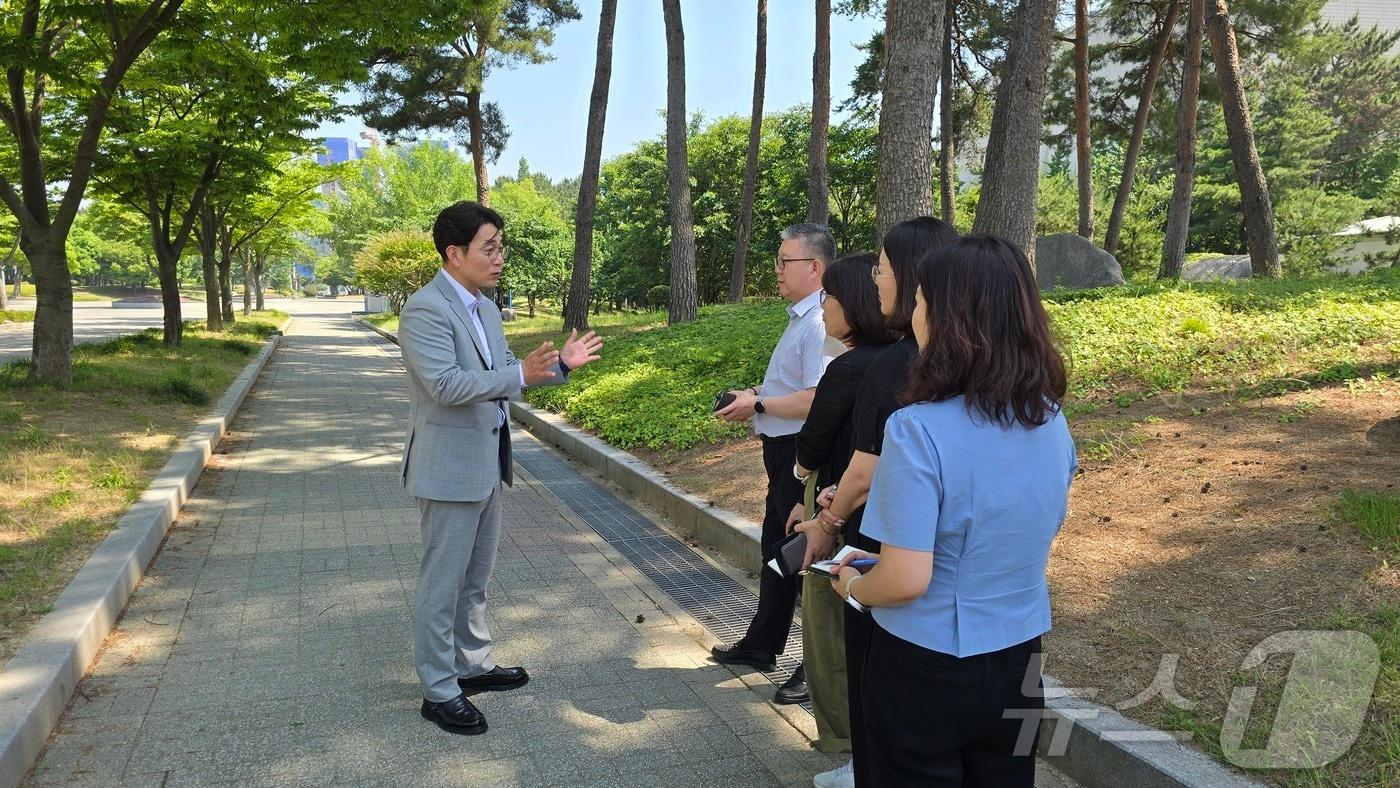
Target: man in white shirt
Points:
x,y
778,408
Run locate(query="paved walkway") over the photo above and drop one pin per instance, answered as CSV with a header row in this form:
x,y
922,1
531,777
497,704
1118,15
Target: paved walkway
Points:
x,y
270,642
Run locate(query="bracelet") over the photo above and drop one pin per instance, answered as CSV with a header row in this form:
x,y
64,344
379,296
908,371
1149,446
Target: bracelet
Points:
x,y
851,600
800,476
825,517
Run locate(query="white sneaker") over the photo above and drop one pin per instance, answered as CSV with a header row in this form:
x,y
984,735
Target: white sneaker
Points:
x,y
840,777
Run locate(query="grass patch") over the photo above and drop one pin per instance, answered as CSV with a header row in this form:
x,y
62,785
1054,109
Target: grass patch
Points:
x,y
79,293
72,461
1125,345
1374,515
656,388
385,320
16,316
524,334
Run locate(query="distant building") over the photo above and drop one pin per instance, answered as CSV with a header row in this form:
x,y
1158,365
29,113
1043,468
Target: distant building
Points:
x,y
339,150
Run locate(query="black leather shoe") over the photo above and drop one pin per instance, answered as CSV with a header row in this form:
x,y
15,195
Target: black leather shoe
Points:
x,y
794,690
497,679
455,716
738,654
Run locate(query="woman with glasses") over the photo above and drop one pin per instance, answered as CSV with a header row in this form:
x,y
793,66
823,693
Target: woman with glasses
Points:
x,y
972,487
896,280
851,313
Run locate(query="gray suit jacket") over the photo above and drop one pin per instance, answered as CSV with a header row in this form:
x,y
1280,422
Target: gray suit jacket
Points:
x,y
456,449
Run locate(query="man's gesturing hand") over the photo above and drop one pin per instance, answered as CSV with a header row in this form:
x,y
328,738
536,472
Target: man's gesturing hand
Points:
x,y
541,365
580,350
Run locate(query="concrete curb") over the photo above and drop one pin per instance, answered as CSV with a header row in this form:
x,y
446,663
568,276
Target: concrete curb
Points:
x,y
1099,747
37,682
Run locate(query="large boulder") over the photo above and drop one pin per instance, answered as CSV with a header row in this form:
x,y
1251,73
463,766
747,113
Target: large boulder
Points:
x,y
1235,266
1069,260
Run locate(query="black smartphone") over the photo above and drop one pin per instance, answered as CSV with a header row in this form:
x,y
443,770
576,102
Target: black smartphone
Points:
x,y
723,399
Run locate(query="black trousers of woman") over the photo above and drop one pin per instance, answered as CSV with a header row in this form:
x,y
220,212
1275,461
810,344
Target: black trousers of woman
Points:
x,y
937,720
860,627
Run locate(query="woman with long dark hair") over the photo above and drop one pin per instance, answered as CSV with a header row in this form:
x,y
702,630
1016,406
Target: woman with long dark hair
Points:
x,y
896,279
972,487
851,312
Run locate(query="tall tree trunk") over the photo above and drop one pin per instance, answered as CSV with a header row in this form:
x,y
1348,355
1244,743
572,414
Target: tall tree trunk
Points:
x,y
904,175
259,267
243,257
1144,112
1084,164
168,274
208,254
683,304
1011,173
225,272
51,358
947,135
760,76
576,310
1179,211
818,189
1255,202
478,143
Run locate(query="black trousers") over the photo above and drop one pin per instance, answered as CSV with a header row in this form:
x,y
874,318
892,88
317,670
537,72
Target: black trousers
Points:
x,y
938,720
777,596
860,628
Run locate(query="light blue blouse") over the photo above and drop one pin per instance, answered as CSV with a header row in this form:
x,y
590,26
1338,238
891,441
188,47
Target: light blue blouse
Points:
x,y
987,501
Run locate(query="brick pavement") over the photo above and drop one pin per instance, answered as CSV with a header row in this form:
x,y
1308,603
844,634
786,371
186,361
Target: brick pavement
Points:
x,y
270,642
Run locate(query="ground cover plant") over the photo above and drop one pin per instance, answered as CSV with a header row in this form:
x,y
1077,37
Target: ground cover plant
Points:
x,y
72,461
654,389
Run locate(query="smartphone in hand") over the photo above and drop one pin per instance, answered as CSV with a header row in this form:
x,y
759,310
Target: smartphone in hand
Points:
x,y
723,399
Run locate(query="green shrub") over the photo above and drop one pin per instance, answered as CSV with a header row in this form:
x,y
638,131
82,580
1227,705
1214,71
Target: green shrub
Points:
x,y
240,346
396,264
182,389
659,297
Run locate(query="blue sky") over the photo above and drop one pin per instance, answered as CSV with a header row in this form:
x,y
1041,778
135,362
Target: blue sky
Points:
x,y
546,106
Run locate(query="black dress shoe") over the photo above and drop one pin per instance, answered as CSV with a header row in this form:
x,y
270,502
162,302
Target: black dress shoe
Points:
x,y
794,690
496,679
455,716
738,654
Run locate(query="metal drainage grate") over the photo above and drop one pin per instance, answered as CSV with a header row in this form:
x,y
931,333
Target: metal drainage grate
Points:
x,y
717,601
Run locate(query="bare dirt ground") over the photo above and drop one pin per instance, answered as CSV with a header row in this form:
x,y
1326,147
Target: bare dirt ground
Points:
x,y
1199,526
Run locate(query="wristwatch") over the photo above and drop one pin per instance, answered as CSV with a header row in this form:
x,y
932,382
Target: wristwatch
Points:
x,y
758,406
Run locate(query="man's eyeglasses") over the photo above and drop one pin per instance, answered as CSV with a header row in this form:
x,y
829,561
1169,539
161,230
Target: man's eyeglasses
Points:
x,y
782,262
492,251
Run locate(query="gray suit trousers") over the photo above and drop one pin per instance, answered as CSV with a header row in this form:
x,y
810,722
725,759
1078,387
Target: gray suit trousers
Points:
x,y
450,641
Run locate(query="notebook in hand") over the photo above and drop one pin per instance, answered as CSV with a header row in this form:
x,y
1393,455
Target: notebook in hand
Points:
x,y
828,568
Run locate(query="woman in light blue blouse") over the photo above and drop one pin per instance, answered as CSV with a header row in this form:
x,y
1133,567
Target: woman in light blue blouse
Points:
x,y
971,488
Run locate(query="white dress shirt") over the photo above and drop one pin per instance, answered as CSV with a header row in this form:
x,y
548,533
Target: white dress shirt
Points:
x,y
797,363
472,302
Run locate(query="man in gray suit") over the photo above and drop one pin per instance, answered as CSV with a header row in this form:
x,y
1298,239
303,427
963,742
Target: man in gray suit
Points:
x,y
461,373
